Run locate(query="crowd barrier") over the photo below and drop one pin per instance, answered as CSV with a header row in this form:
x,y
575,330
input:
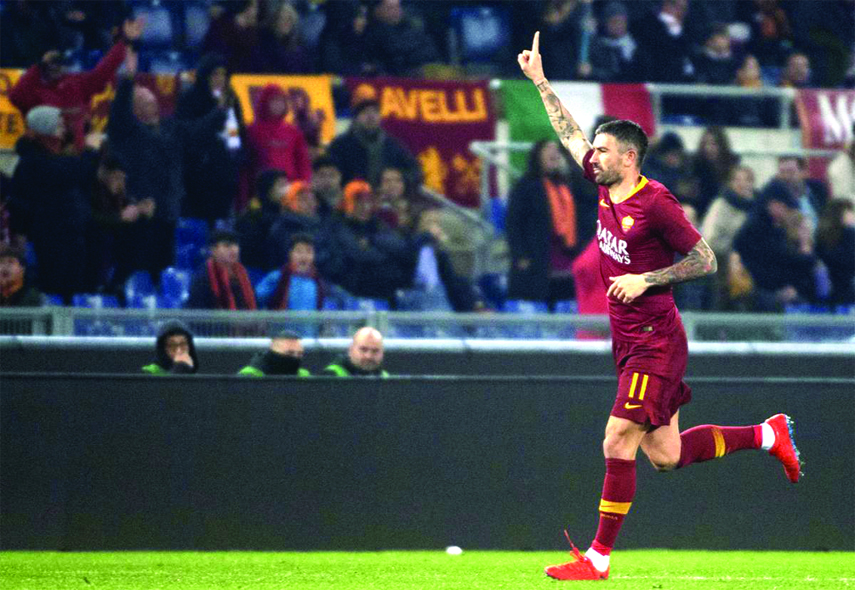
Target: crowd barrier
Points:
x,y
105,462
224,356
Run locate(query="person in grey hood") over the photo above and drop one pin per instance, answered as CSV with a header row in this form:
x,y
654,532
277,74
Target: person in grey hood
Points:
x,y
176,352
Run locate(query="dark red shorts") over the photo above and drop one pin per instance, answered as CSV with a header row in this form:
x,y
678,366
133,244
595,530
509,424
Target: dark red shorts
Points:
x,y
650,377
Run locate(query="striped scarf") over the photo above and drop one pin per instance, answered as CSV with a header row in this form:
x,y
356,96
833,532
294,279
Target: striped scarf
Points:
x,y
563,211
218,275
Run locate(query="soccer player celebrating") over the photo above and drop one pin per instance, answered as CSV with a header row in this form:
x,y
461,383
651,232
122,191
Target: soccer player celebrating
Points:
x,y
640,228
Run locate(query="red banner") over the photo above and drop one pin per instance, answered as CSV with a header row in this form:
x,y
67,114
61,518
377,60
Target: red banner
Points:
x,y
436,121
826,118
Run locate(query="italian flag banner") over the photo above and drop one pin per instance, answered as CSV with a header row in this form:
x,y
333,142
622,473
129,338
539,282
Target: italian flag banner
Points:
x,y
586,101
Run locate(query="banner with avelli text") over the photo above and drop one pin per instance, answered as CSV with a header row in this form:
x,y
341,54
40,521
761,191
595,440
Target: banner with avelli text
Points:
x,y
436,120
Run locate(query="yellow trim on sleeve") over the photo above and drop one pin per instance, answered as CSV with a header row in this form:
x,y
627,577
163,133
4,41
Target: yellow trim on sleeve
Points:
x,y
614,507
720,447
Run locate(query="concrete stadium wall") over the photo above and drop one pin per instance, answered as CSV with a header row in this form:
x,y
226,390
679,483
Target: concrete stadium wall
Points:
x,y
127,462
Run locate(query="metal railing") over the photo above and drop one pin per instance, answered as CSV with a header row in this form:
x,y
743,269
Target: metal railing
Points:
x,y
701,327
784,96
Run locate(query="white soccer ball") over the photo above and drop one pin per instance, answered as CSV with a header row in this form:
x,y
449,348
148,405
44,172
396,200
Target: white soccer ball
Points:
x,y
453,550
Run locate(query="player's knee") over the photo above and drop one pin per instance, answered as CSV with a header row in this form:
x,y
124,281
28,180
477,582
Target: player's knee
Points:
x,y
664,461
616,444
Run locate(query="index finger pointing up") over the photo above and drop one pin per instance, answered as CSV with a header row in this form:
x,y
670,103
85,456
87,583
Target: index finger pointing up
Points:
x,y
535,45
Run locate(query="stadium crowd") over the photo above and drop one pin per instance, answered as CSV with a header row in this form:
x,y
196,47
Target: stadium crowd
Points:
x,y
218,214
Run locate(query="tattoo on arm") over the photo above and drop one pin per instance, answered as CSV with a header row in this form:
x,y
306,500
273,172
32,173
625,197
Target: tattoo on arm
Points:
x,y
565,126
699,262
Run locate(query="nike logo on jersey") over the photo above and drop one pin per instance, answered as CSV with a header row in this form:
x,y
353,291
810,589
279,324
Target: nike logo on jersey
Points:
x,y
603,203
630,406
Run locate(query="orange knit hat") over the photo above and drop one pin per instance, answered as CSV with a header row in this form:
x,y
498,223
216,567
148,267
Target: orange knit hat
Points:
x,y
354,190
289,201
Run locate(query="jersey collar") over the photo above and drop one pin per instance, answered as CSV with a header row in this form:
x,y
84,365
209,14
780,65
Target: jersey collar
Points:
x,y
641,184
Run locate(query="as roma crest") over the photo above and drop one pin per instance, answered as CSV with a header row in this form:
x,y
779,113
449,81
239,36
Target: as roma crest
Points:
x,y
626,223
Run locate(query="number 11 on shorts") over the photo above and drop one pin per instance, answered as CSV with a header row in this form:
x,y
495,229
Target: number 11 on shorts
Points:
x,y
644,377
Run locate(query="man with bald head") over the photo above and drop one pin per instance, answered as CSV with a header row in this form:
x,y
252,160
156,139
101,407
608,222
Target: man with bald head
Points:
x,y
364,357
151,150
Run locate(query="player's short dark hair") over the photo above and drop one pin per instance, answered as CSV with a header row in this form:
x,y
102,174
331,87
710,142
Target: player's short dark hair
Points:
x,y
301,238
628,133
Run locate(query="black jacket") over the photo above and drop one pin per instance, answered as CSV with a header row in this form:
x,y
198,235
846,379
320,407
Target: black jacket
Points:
x,y
211,170
153,156
342,367
770,257
351,156
529,229
367,259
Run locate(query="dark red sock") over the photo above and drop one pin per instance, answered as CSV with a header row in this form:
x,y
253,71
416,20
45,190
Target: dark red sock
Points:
x,y
618,491
706,442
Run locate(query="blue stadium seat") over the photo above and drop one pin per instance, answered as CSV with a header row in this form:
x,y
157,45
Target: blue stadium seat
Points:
x,y
139,284
494,287
53,300
255,276
94,327
174,286
159,29
528,308
366,304
191,231
94,301
480,32
568,306
141,301
197,19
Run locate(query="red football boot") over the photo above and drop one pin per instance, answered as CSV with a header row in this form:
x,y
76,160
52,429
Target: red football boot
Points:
x,y
580,569
784,448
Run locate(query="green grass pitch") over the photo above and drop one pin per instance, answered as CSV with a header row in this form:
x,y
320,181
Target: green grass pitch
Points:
x,y
405,570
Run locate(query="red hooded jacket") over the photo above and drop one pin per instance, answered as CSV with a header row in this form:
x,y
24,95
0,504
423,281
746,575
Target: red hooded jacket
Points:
x,y
72,93
276,144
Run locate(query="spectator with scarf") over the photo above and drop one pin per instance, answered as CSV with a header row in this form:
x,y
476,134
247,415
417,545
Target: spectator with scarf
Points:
x,y
297,285
222,282
550,218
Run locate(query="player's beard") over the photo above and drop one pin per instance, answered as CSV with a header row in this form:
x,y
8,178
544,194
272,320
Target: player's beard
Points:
x,y
608,177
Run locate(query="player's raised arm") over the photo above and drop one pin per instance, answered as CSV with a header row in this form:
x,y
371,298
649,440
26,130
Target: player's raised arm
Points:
x,y
565,126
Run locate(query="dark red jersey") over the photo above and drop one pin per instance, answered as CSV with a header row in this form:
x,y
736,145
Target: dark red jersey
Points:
x,y
642,233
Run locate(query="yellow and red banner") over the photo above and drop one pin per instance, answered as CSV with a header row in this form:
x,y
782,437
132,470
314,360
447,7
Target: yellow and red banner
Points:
x,y
11,122
165,86
436,120
311,95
